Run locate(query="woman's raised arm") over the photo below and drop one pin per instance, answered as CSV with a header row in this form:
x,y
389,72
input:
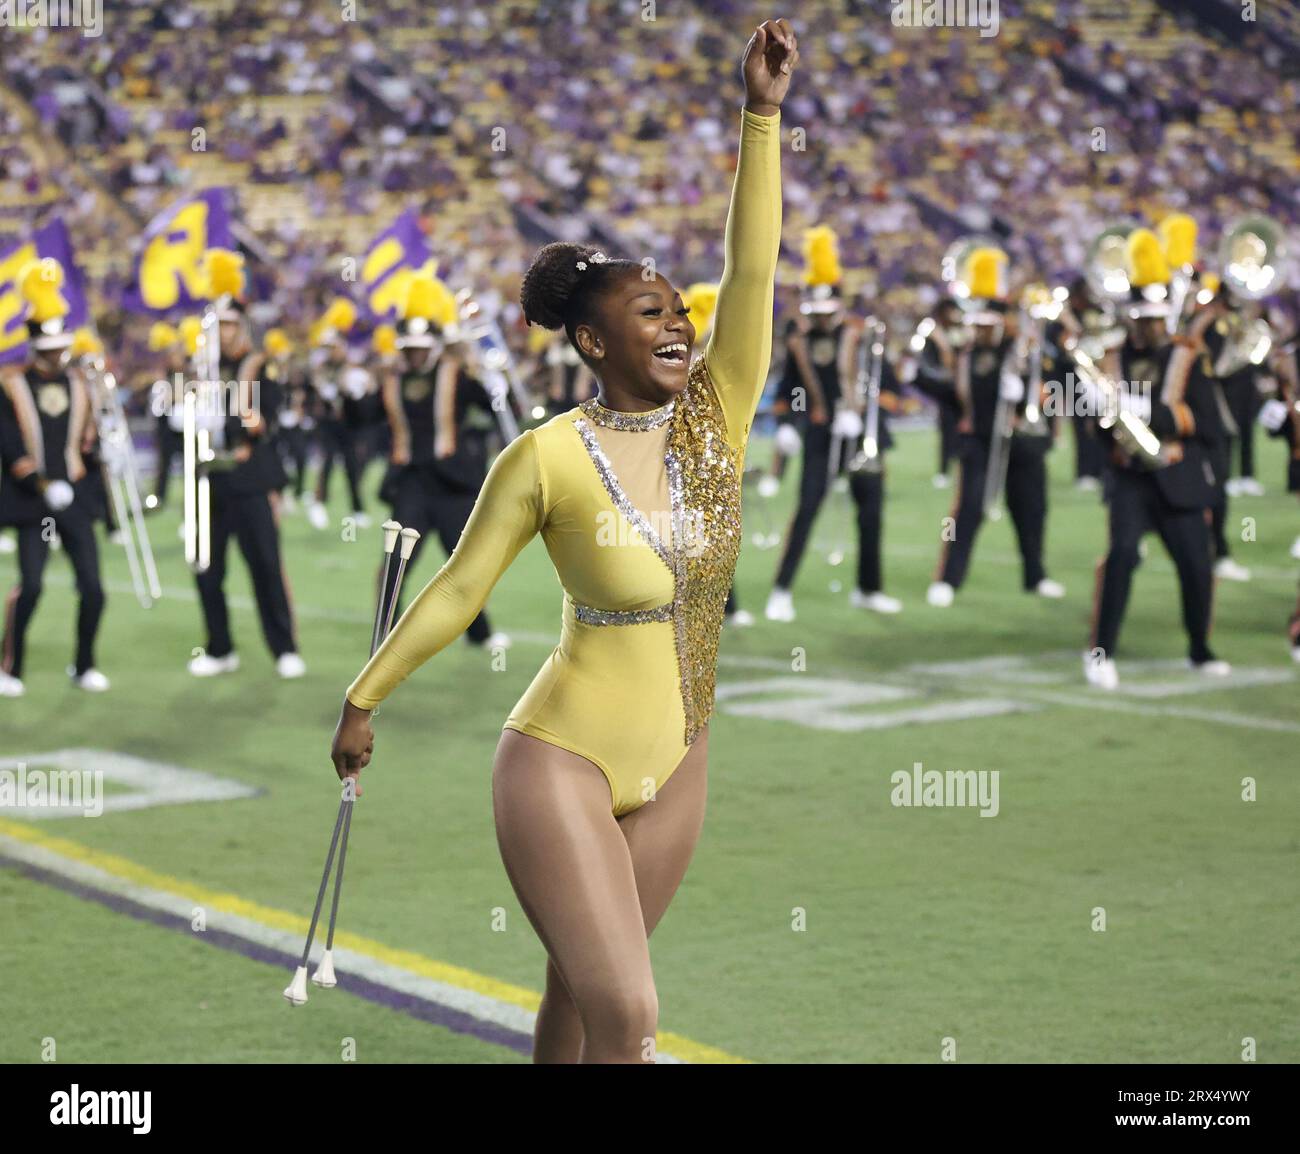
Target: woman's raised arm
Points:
x,y
740,347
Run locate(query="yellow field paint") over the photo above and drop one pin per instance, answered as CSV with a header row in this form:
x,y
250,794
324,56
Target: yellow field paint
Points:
x,y
124,870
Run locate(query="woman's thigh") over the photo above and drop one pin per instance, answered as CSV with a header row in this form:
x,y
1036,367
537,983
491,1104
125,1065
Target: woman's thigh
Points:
x,y
662,834
571,868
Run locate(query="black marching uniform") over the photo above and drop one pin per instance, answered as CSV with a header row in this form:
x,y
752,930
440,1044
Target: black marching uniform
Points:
x,y
431,492
45,423
1171,500
293,428
345,419
934,379
868,489
977,381
241,508
824,355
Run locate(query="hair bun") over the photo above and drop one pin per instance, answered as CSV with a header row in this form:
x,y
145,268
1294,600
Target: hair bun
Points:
x,y
551,281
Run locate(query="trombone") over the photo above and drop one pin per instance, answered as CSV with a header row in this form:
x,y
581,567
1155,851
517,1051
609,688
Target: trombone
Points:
x,y
496,363
197,450
122,480
871,365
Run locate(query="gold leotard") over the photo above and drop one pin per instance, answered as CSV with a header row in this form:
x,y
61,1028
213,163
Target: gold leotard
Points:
x,y
640,513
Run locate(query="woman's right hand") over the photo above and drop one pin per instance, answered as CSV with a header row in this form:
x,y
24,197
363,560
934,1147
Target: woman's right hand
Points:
x,y
354,742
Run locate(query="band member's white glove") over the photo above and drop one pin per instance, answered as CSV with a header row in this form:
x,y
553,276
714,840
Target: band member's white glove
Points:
x,y
1138,403
356,383
289,419
58,495
1011,389
788,441
768,486
847,425
1273,414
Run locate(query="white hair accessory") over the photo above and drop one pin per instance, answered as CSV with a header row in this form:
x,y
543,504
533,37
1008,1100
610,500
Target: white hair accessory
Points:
x,y
595,258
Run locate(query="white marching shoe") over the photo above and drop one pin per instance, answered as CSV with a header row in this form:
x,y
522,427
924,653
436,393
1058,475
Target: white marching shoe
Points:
x,y
741,618
11,686
290,666
1227,569
877,602
7,543
318,516
940,481
204,665
1049,588
1087,484
1295,549
497,640
1212,668
92,681
940,594
780,605
361,520
1100,672
768,486
1295,653
1247,487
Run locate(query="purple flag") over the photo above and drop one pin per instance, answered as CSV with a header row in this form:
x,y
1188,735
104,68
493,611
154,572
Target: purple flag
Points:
x,y
169,270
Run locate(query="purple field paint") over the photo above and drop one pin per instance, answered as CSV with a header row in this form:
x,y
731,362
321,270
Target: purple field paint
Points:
x,y
411,1004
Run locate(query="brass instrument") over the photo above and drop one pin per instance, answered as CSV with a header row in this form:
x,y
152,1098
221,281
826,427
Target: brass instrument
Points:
x,y
198,450
1132,435
493,360
120,476
1253,257
871,365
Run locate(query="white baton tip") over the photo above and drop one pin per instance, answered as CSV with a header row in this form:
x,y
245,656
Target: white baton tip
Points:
x,y
296,991
391,531
324,975
409,538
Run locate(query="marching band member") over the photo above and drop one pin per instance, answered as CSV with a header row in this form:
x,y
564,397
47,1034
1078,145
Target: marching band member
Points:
x,y
866,466
1166,487
341,384
241,485
438,462
816,346
934,367
986,371
46,424
1080,317
284,397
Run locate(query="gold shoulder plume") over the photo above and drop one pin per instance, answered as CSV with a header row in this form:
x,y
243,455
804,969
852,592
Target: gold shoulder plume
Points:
x,y
85,343
190,328
223,269
276,343
1146,259
384,340
1178,235
983,274
340,316
162,336
702,299
821,256
40,282
430,299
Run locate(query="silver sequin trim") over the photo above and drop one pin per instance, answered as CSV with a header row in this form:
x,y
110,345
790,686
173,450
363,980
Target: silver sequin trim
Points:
x,y
590,616
616,494
628,422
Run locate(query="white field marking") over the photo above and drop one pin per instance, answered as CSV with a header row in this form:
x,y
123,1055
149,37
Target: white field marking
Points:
x,y
478,1005
150,783
823,703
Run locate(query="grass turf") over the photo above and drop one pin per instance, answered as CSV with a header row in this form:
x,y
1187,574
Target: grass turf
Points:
x,y
921,924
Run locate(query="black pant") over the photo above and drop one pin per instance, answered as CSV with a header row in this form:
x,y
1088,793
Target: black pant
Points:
x,y
1089,452
1219,505
77,533
424,503
868,491
1244,402
947,437
340,440
813,480
169,447
292,447
1136,507
249,519
1026,497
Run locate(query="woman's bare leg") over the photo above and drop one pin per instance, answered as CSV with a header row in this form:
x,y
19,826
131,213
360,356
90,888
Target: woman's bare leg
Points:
x,y
572,871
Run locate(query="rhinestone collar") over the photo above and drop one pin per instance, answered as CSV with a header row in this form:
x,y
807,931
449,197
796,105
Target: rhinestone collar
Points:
x,y
628,422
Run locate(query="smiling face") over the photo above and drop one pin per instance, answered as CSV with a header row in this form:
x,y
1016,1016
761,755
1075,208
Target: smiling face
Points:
x,y
640,339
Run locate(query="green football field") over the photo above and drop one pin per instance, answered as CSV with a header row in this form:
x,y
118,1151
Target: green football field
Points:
x,y
1133,898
